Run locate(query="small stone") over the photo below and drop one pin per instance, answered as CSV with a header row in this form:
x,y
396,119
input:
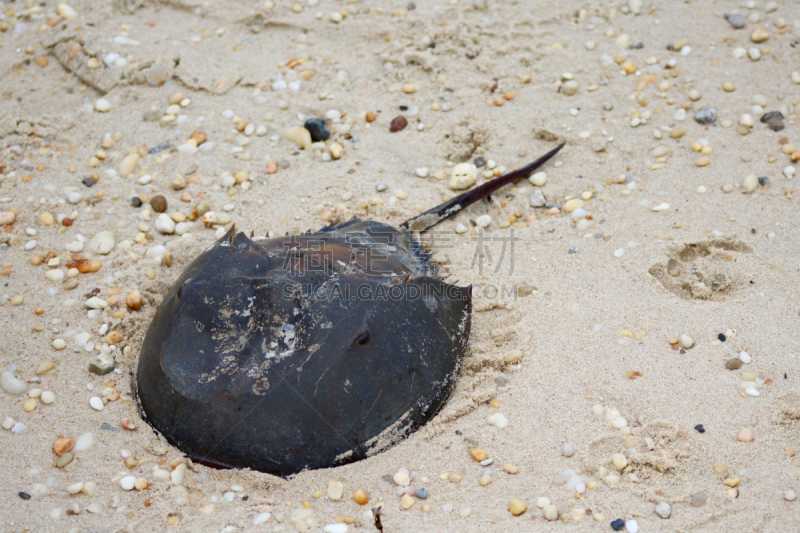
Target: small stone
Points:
x,y
102,243
48,365
336,150
707,115
158,203
789,495
421,493
699,499
734,363
570,88
335,490
127,482
686,341
510,468
620,461
702,161
401,479
745,435
300,136
663,509
463,176
63,445
102,364
571,205
134,300
618,524
750,183
632,526
478,454
102,105
732,482
699,428
677,133
165,225
550,512
538,179
7,217
759,35
407,502
517,507
64,460
567,450
398,123
316,128
12,385
537,199
736,20
128,164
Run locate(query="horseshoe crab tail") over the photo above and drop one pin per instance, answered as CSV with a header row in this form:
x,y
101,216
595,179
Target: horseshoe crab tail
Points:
x,y
433,216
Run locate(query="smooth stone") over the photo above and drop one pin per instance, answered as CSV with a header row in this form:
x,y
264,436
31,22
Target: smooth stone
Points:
x,y
127,483
12,385
567,450
421,494
632,526
102,243
745,435
699,499
335,490
707,115
736,21
618,524
734,363
164,224
401,479
550,512
537,199
102,364
335,528
96,403
663,509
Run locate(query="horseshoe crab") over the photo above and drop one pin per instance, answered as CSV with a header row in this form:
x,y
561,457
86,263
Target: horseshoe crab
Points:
x,y
307,351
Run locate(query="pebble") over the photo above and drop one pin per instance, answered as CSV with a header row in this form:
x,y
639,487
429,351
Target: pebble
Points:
x,y
483,221
707,115
686,341
478,454
96,403
663,509
335,528
335,490
618,524
789,495
734,363
128,164
316,128
538,179
498,420
517,507
300,136
102,243
48,397
745,357
463,176
407,502
102,105
759,35
7,217
127,482
158,203
567,450
398,123
401,479
510,468
620,461
12,385
550,512
164,224
736,21
485,480
745,435
699,499
537,199
632,526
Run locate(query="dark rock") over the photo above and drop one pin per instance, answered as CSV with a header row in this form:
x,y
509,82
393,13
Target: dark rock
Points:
x,y
479,161
700,428
763,180
422,494
618,524
722,337
773,120
734,363
136,202
316,127
24,495
398,123
89,182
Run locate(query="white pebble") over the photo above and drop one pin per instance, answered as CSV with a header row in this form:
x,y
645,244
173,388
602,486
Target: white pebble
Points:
x,y
789,495
96,403
745,358
631,526
567,450
164,224
686,341
498,420
538,179
127,482
661,207
335,528
261,518
8,423
18,428
102,243
59,344
422,172
483,221
103,105
12,385
48,397
619,252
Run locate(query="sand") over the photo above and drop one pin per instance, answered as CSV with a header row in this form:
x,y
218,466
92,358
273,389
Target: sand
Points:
x,y
713,262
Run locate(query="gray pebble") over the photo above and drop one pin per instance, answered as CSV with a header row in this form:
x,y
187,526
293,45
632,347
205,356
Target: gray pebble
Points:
x,y
699,499
102,364
479,161
422,494
707,115
763,180
284,164
537,199
552,204
381,187
736,20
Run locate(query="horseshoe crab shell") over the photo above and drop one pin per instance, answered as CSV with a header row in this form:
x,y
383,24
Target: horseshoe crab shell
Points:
x,y
307,351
